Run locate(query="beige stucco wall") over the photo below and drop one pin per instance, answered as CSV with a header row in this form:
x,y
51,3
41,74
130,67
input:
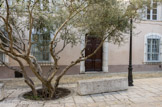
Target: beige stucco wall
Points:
x,y
69,54
119,55
66,57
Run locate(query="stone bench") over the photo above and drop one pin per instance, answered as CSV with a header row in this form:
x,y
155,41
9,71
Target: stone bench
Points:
x,y
2,94
95,86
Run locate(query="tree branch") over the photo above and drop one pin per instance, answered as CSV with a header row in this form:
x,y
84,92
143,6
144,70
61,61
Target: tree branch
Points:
x,y
80,59
60,28
13,68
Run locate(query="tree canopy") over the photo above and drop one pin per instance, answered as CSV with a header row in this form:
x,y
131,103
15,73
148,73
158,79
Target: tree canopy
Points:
x,y
66,20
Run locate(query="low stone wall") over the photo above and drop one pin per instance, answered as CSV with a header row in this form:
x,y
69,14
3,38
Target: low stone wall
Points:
x,y
95,86
2,94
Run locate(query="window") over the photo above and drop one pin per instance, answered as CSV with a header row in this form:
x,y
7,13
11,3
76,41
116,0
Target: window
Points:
x,y
45,5
152,13
153,49
3,4
40,48
2,34
9,2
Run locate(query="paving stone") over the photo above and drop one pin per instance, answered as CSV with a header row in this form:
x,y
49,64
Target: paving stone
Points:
x,y
22,105
98,97
53,105
144,100
92,105
16,93
98,104
12,100
81,105
126,101
144,93
115,102
26,102
109,96
52,102
70,105
7,105
134,96
159,98
35,105
102,104
83,99
67,100
120,105
8,92
146,105
159,104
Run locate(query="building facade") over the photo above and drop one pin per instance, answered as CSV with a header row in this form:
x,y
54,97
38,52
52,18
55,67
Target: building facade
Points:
x,y
147,50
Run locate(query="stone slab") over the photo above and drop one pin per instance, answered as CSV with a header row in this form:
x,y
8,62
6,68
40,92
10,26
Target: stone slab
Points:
x,y
102,85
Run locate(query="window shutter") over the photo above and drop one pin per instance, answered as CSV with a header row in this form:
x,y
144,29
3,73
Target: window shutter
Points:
x,y
51,37
160,50
6,58
143,13
145,51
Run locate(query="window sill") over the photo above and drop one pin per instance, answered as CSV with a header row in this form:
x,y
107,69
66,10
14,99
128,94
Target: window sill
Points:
x,y
3,64
153,63
151,20
45,63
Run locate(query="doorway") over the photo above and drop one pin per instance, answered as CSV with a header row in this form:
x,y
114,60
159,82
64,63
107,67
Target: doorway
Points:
x,y
94,63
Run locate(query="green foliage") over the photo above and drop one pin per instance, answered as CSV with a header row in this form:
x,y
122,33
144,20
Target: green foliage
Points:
x,y
102,17
98,19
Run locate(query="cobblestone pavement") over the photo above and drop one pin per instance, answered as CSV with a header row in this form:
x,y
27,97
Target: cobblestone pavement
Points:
x,y
145,93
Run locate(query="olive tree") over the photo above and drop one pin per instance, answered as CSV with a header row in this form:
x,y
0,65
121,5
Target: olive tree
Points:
x,y
64,19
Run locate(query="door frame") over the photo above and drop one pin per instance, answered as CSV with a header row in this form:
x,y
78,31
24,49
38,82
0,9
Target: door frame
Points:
x,y
104,56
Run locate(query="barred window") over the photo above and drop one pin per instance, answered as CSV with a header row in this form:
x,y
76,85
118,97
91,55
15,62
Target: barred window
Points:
x,y
2,34
40,48
153,49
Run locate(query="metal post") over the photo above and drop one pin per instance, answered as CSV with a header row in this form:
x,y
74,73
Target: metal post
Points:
x,y
130,76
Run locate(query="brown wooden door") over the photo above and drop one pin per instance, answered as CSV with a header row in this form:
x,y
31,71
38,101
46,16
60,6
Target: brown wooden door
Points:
x,y
93,63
